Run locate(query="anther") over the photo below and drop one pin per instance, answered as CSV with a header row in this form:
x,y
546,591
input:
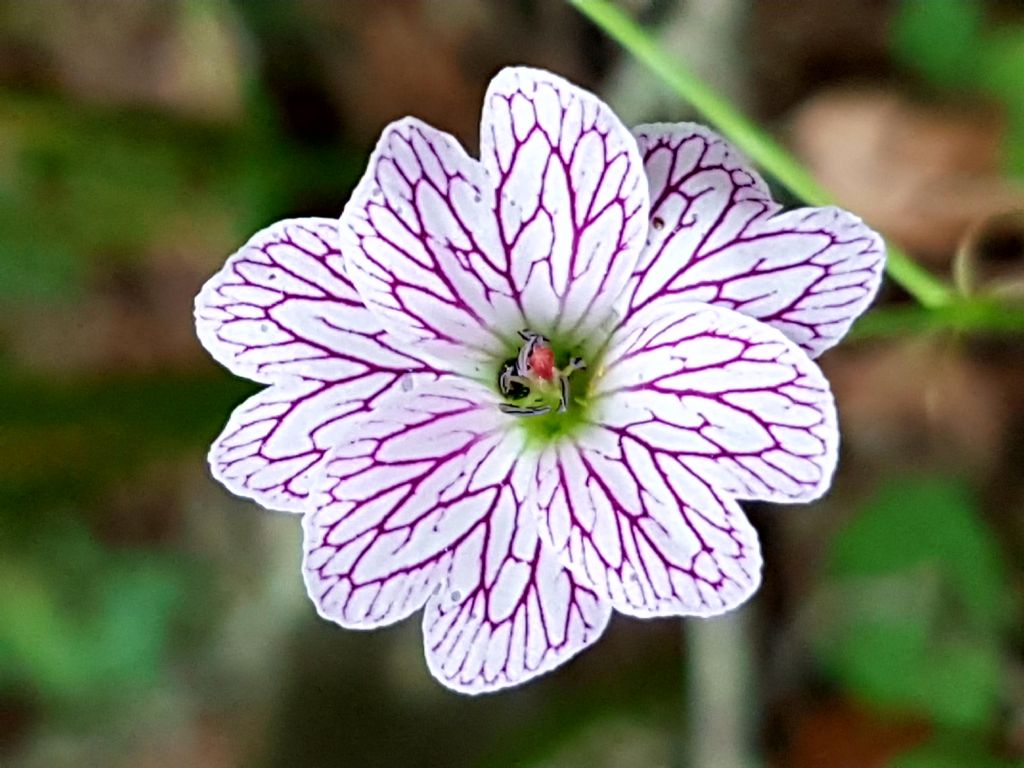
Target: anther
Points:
x,y
563,393
524,410
510,383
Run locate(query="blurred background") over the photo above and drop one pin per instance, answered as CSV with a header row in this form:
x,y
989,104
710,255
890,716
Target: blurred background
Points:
x,y
147,618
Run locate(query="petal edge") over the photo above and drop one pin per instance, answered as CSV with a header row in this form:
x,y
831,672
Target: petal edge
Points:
x,y
718,238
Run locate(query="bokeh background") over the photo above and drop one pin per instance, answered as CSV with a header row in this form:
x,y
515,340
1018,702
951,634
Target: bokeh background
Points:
x,y
147,618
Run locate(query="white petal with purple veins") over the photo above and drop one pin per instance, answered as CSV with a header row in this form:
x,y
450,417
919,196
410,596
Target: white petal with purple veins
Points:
x,y
282,311
717,237
274,443
634,523
282,307
423,246
511,610
570,195
427,506
397,499
736,402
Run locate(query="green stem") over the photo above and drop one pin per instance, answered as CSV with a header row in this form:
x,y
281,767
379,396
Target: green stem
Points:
x,y
927,289
977,315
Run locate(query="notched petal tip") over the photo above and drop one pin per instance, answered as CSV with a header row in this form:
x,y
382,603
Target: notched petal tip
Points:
x,y
282,311
734,399
638,527
717,237
422,245
526,618
250,460
858,269
572,202
243,313
702,141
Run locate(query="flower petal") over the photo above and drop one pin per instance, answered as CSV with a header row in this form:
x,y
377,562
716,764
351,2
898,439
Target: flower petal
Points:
x,y
274,443
423,246
422,476
717,237
570,196
511,611
638,526
282,311
428,506
732,399
282,307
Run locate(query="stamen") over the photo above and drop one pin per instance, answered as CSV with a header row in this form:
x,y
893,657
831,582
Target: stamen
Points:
x,y
524,410
505,379
510,383
523,361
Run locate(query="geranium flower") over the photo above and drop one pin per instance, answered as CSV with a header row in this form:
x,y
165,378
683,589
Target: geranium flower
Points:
x,y
522,391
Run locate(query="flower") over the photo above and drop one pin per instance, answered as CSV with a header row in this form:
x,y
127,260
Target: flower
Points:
x,y
522,391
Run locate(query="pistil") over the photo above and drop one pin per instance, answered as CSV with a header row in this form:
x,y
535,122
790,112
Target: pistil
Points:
x,y
533,372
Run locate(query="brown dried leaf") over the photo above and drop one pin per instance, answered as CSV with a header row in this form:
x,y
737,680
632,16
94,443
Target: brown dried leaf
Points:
x,y
922,174
842,734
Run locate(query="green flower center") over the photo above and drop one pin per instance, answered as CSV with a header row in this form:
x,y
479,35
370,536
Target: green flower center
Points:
x,y
547,383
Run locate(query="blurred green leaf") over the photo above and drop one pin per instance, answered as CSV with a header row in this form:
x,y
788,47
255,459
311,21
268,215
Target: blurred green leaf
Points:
x,y
939,38
1002,62
136,604
79,621
946,42
81,189
918,599
52,428
82,623
929,522
34,267
951,751
878,661
1002,75
959,681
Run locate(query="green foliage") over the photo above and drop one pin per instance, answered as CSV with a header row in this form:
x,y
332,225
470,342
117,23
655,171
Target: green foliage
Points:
x,y
946,42
929,523
82,189
1002,75
94,624
950,751
49,446
938,38
919,601
82,622
79,186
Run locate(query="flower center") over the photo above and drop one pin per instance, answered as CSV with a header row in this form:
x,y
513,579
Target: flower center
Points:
x,y
532,381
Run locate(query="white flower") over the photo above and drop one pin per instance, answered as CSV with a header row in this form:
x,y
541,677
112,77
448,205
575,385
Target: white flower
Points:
x,y
522,391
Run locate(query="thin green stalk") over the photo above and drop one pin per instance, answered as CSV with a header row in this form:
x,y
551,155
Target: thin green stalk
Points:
x,y
927,289
964,316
